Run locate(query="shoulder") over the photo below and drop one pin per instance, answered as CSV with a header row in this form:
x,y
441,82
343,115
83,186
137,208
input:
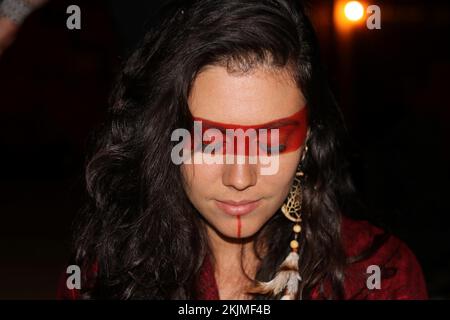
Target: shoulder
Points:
x,y
369,250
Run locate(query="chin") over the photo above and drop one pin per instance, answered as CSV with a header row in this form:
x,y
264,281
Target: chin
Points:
x,y
232,231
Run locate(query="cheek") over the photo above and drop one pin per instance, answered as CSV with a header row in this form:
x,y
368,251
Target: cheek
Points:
x,y
200,178
278,185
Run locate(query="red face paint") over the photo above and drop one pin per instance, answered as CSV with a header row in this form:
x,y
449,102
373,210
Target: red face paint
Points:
x,y
238,226
292,134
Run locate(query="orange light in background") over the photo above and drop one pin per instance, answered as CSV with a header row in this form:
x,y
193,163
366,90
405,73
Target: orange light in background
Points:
x,y
353,10
348,15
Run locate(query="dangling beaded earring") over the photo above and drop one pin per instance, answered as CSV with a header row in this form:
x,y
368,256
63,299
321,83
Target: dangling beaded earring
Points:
x,y
288,277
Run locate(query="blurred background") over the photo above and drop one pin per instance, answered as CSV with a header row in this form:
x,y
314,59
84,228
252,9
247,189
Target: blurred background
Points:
x,y
391,83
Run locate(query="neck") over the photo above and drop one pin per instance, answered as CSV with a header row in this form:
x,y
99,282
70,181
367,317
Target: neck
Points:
x,y
233,260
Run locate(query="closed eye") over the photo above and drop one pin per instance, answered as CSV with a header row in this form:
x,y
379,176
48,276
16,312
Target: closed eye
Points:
x,y
212,145
272,149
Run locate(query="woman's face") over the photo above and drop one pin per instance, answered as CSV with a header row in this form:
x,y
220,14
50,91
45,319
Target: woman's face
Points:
x,y
250,99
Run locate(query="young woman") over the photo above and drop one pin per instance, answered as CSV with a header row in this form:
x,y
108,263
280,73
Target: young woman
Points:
x,y
155,228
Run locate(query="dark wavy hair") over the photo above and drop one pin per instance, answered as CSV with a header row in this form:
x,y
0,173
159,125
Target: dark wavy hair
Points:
x,y
138,225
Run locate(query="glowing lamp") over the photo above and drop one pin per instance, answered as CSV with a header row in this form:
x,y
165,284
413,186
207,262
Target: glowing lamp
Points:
x,y
354,10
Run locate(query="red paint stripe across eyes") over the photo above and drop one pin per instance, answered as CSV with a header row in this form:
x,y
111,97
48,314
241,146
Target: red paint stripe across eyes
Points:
x,y
292,133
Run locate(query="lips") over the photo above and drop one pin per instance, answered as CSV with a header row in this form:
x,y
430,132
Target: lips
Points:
x,y
237,208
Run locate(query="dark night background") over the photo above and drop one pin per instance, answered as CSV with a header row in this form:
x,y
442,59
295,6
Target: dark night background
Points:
x,y
392,85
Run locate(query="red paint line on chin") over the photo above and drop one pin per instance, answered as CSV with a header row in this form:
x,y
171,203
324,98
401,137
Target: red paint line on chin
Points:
x,y
238,217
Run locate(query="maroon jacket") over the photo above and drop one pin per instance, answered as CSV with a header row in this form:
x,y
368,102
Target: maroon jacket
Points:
x,y
404,278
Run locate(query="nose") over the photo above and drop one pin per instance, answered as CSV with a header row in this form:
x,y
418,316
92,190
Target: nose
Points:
x,y
240,176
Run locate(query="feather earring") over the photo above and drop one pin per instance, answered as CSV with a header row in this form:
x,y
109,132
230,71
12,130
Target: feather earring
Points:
x,y
287,278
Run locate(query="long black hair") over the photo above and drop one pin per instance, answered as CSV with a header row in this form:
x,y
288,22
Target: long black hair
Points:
x,y
138,225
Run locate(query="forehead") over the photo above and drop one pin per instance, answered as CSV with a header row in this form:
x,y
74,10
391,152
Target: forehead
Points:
x,y
252,98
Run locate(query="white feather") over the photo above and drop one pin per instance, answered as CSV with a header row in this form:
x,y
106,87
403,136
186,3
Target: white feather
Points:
x,y
287,278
